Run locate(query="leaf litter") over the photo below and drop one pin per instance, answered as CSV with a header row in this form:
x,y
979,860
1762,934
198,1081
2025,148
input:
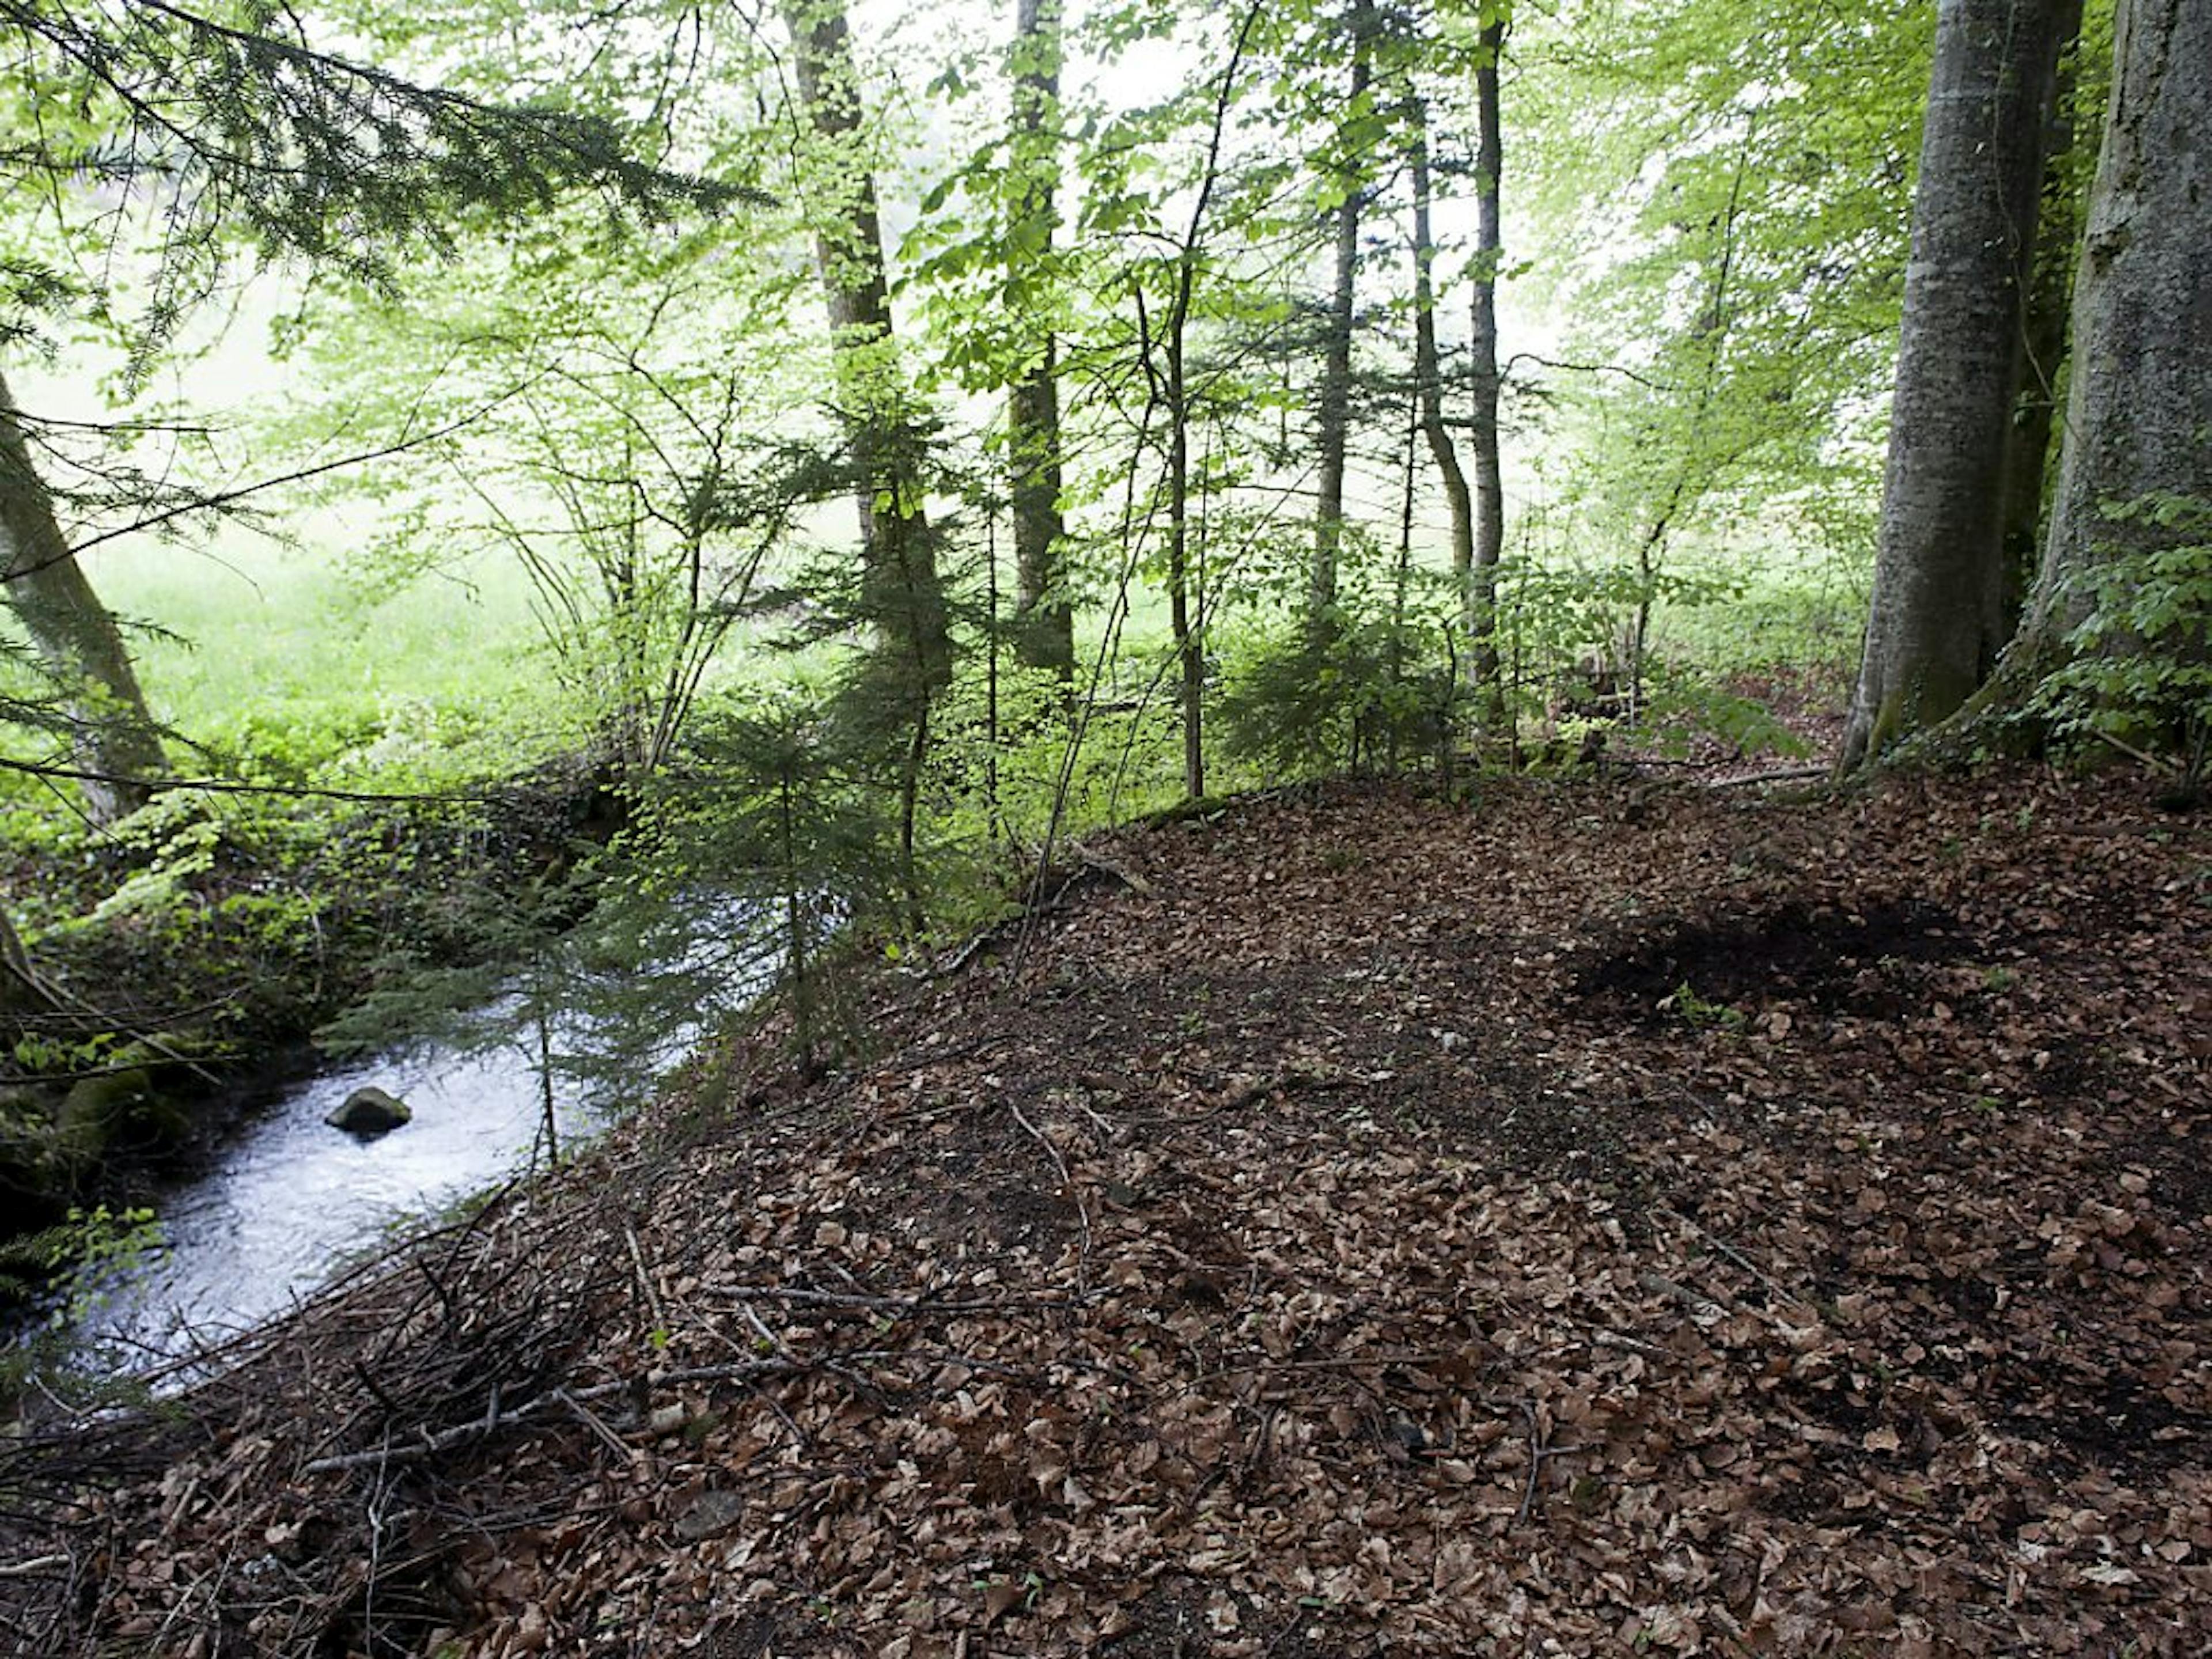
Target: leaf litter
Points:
x,y
1606,1218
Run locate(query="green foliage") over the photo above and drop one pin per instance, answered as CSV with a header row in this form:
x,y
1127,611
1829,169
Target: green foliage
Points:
x,y
778,815
1568,640
1702,1012
86,1252
1369,694
1683,706
255,134
175,838
2137,662
1767,610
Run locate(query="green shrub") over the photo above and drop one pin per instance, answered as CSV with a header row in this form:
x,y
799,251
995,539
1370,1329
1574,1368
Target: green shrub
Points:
x,y
2137,665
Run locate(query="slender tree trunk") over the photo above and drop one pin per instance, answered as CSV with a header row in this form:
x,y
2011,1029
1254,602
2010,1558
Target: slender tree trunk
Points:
x,y
1428,371
1044,621
113,735
794,923
2029,445
548,1116
1489,541
1335,433
1190,647
2139,406
22,989
1937,620
1185,607
900,590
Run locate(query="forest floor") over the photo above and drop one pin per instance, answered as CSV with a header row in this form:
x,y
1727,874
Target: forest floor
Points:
x,y
1606,1218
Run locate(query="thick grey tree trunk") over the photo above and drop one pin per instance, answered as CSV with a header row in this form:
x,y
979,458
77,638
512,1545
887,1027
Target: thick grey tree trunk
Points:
x,y
1489,543
114,736
1936,623
1044,621
2139,407
1335,437
900,587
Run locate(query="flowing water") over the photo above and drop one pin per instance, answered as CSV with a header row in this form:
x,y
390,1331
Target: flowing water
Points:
x,y
289,1200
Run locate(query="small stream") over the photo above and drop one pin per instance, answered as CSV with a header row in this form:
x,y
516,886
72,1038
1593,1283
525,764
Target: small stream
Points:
x,y
288,1200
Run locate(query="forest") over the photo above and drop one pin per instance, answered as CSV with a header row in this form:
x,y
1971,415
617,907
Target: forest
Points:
x,y
1123,827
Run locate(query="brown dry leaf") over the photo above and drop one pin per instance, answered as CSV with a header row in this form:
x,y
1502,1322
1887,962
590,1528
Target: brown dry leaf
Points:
x,y
1878,1315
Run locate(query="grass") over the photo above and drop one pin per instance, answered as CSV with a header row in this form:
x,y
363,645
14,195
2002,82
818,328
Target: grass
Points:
x,y
256,642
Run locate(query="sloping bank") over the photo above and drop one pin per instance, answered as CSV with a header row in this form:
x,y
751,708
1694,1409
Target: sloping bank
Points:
x,y
1657,1222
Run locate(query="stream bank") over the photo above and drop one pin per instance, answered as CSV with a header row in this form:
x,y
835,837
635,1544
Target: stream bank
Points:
x,y
190,961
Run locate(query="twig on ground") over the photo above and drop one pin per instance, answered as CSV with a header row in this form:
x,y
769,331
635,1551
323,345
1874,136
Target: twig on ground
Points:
x,y
1538,1452
645,1279
1723,1247
1067,1185
1129,878
1350,1362
923,1304
597,1424
1790,775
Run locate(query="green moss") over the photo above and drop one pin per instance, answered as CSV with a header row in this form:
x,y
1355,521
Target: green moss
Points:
x,y
120,1111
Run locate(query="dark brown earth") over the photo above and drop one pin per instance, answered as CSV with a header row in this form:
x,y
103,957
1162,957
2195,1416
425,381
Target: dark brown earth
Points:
x,y
1606,1219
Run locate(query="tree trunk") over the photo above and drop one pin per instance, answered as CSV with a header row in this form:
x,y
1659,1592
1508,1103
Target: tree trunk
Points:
x,y
2139,407
113,735
2030,444
1183,621
1428,371
1335,437
1936,623
1187,597
22,989
1044,621
900,589
1489,540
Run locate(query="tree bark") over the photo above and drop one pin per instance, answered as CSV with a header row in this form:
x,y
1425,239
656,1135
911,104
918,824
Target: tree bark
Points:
x,y
2030,445
1044,620
113,735
1489,540
22,989
1428,371
900,588
1335,433
1936,622
2139,407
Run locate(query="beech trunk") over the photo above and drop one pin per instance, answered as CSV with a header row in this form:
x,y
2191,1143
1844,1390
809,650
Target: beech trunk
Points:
x,y
2030,449
2139,407
900,587
1480,578
1937,620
